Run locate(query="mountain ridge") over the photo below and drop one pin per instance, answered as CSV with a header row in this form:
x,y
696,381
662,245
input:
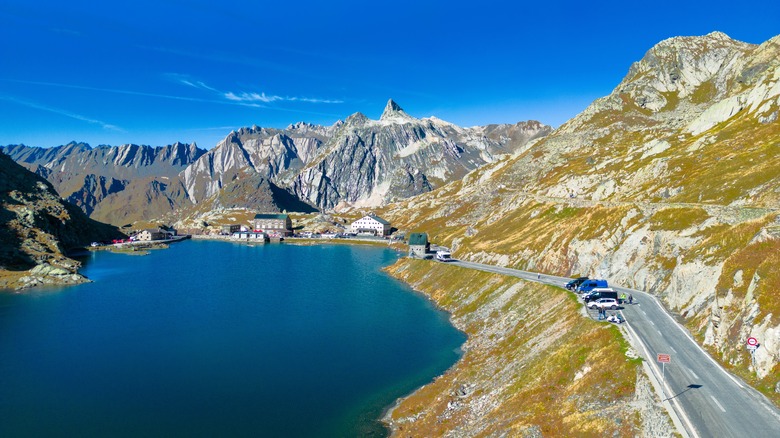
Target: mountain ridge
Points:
x,y
87,176
357,162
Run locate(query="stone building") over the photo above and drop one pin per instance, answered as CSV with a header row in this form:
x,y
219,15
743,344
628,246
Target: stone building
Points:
x,y
154,234
418,245
230,229
273,224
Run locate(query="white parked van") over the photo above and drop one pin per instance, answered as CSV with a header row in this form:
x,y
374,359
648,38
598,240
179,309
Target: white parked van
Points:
x,y
444,256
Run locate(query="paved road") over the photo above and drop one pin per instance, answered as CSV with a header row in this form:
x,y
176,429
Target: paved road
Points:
x,y
710,401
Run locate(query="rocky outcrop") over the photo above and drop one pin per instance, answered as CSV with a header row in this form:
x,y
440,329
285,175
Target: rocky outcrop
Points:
x,y
263,151
95,189
142,199
38,230
669,184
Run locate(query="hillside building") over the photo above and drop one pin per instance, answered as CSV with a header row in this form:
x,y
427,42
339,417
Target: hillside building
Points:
x,y
371,224
150,234
273,224
418,245
230,229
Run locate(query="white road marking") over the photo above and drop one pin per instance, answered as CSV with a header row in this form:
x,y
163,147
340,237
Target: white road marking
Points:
x,y
693,374
672,348
716,402
652,323
659,332
645,313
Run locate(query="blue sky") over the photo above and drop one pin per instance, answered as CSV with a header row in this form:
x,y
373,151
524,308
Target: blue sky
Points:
x,y
192,70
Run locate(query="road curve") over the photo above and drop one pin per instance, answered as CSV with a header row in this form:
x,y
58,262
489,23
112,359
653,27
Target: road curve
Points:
x,y
711,401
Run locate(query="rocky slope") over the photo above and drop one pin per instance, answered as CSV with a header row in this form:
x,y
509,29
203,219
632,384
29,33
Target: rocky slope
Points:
x,y
261,151
668,184
89,176
38,229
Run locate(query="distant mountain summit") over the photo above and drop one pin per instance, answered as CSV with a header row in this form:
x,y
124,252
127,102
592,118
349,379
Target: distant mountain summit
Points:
x,y
394,112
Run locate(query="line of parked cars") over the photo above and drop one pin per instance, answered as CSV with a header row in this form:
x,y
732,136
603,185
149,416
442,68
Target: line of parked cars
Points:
x,y
595,293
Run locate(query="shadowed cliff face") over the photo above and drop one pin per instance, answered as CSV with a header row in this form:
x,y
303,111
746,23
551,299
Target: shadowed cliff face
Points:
x,y
669,184
39,227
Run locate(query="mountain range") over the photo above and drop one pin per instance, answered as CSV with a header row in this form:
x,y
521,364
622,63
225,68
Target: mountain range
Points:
x,y
357,162
107,182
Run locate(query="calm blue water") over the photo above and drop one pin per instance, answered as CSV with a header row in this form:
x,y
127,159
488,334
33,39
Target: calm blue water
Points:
x,y
219,339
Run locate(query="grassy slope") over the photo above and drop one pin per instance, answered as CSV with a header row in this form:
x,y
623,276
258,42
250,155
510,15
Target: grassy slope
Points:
x,y
533,363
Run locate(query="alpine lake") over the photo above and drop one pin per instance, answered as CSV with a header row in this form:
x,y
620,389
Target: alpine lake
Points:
x,y
211,338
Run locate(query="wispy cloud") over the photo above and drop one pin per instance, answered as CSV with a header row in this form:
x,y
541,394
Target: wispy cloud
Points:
x,y
62,112
262,97
190,82
245,97
313,100
251,97
221,100
114,90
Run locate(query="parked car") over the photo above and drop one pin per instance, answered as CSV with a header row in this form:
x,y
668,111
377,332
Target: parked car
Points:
x,y
604,303
589,285
572,285
600,292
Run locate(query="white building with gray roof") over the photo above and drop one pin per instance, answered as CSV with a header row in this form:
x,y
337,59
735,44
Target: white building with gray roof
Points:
x,y
371,224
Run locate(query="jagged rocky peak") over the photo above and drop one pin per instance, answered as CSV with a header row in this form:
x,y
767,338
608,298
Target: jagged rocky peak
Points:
x,y
254,129
393,111
680,74
681,65
77,146
299,125
356,119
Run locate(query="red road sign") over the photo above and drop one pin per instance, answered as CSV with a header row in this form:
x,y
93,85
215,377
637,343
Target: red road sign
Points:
x,y
752,341
664,358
